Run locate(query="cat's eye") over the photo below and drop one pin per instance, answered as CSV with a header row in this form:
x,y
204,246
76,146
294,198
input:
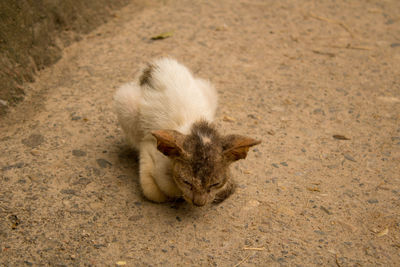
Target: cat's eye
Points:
x,y
187,183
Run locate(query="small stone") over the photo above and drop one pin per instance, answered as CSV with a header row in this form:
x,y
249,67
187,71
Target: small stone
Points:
x,y
3,102
82,181
99,246
103,163
275,165
35,153
13,166
349,157
68,191
15,221
252,116
135,218
78,153
284,164
395,45
76,118
33,140
164,250
325,210
372,201
178,219
319,111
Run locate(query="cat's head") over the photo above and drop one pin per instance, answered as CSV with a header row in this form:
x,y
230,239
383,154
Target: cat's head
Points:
x,y
201,159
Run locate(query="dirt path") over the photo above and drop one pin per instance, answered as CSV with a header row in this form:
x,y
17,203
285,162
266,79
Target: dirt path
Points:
x,y
292,73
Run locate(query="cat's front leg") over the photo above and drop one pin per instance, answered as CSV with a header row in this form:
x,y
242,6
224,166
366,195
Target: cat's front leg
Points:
x,y
149,187
227,190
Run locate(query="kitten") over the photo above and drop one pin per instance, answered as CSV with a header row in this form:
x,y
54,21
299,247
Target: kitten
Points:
x,y
167,116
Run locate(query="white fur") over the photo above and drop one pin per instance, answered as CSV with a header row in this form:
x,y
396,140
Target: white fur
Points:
x,y
174,101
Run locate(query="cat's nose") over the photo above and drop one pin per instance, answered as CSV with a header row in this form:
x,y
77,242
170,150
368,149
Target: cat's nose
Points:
x,y
197,204
199,200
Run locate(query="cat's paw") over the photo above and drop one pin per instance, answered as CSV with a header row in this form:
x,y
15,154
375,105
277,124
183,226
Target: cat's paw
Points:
x,y
151,190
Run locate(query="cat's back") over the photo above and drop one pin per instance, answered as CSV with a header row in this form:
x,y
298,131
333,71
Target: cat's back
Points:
x,y
172,98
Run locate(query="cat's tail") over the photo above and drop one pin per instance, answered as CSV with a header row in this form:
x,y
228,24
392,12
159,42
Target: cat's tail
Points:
x,y
165,73
126,105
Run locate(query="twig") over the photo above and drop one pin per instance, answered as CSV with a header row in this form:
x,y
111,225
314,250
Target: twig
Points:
x,y
349,46
245,259
324,53
258,249
341,24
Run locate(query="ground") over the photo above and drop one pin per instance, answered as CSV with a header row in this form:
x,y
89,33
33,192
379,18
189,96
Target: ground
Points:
x,y
316,81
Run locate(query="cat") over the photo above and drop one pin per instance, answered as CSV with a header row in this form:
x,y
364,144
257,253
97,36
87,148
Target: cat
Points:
x,y
167,116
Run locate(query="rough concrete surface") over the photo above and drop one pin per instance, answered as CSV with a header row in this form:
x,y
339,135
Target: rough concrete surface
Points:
x,y
291,73
33,34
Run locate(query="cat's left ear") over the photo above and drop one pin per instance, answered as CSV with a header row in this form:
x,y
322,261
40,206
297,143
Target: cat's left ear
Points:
x,y
169,142
235,147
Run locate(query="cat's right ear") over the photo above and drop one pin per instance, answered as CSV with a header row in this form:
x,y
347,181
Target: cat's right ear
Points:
x,y
169,142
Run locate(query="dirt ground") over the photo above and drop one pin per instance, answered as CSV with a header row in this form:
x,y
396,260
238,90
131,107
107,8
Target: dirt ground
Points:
x,y
291,73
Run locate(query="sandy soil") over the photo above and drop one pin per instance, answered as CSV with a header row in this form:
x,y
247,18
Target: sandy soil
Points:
x,y
291,73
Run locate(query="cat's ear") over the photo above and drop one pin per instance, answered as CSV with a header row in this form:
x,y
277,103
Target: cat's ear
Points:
x,y
235,147
169,142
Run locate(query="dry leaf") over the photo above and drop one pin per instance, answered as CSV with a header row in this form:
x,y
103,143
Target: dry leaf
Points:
x,y
163,35
340,137
383,232
313,189
324,53
228,119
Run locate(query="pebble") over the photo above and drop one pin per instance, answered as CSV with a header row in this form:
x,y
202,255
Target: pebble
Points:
x,y
68,191
135,218
13,166
372,201
103,163
284,164
275,165
82,181
78,153
3,102
348,157
395,45
76,118
325,210
319,111
33,140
